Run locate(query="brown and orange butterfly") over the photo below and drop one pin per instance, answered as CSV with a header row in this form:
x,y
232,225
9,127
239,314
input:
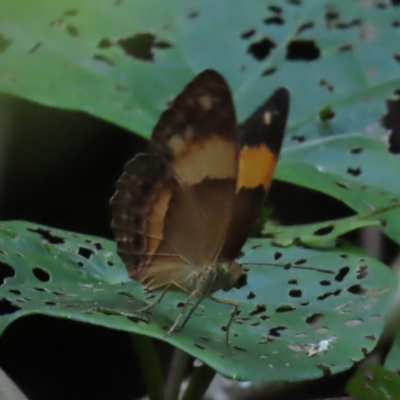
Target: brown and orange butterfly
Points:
x,y
182,211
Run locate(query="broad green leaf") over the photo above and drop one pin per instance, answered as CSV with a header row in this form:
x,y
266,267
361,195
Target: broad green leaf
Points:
x,y
313,313
373,382
125,60
322,232
353,168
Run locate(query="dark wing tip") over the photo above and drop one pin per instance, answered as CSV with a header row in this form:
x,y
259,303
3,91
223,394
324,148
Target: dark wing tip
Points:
x,y
268,123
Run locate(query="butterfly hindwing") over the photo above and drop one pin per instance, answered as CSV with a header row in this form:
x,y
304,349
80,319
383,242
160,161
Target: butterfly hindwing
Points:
x,y
261,140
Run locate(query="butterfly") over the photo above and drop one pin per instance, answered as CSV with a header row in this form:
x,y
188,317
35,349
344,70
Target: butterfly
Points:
x,y
183,210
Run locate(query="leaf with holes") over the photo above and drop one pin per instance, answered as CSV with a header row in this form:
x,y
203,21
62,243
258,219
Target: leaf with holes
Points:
x,y
322,232
123,62
373,382
352,168
304,313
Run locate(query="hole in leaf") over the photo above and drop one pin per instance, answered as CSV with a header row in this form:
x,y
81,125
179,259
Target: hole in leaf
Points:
x,y
268,71
344,256
103,59
6,271
85,252
342,274
326,371
326,230
204,338
292,282
6,307
370,337
41,274
275,9
329,294
241,282
104,44
343,185
180,304
298,138
34,47
80,263
325,83
326,113
315,319
356,289
275,332
4,43
362,271
277,255
325,283
274,21
14,291
301,261
302,50
264,317
251,295
50,303
48,236
304,27
40,289
351,24
356,150
141,46
260,308
72,30
247,34
354,171
256,324
261,49
345,47
285,308
238,348
199,346
295,293
304,303
396,24
193,14
294,2
110,263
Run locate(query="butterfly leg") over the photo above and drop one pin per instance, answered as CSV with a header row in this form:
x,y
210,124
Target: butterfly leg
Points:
x,y
193,294
192,310
164,292
151,305
233,314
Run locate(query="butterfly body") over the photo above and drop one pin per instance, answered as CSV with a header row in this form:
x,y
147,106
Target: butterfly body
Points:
x,y
182,211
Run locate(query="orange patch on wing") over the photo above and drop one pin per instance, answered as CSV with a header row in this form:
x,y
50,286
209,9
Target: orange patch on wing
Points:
x,y
195,160
256,167
155,228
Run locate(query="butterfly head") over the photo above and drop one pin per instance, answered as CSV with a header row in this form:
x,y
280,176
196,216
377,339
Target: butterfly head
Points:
x,y
228,274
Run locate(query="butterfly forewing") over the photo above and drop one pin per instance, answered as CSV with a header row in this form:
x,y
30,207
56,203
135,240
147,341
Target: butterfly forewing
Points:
x,y
172,207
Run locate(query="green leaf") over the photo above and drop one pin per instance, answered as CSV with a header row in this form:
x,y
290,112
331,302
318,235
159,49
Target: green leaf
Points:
x,y
373,382
354,169
122,61
315,312
322,232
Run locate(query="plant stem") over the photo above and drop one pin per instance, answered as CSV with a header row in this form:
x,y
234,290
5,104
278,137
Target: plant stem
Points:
x,y
176,374
199,383
150,366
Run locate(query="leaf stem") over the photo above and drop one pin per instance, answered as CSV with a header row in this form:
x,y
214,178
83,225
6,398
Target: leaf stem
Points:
x,y
199,383
150,366
177,371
